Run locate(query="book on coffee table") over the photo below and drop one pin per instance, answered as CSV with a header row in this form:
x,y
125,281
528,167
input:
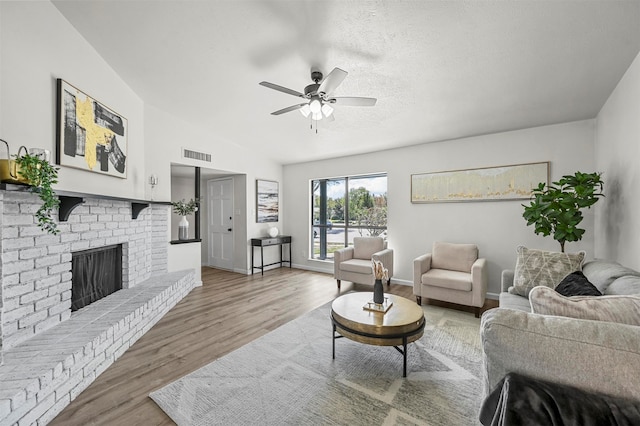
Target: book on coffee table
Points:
x,y
378,307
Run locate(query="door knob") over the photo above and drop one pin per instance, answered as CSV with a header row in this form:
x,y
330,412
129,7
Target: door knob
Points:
x,y
229,229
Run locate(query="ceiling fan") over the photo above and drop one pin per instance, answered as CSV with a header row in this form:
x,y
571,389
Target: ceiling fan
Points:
x,y
318,100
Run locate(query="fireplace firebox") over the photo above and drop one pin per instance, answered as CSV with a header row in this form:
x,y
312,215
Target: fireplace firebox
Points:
x,y
95,273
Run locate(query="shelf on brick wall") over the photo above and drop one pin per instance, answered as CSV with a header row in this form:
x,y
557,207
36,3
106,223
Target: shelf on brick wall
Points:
x,y
70,200
67,204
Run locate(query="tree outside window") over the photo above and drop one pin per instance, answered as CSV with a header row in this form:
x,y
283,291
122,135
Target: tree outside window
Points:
x,y
344,208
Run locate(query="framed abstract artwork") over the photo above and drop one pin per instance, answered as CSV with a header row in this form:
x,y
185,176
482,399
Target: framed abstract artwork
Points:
x,y
513,182
266,201
90,136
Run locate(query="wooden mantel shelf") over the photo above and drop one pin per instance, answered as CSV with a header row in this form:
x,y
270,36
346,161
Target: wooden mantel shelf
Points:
x,y
70,200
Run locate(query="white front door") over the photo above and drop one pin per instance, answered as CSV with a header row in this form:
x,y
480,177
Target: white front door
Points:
x,y
220,221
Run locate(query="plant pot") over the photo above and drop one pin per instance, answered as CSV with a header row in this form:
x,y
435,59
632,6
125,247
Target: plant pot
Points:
x,y
183,229
10,172
10,169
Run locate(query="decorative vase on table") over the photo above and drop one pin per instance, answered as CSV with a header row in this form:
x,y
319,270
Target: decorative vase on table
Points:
x,y
183,229
378,293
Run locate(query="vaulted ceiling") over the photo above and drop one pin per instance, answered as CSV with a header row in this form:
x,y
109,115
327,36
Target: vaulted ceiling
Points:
x,y
439,69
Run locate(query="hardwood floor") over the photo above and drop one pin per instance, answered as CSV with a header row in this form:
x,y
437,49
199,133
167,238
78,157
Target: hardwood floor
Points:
x,y
228,311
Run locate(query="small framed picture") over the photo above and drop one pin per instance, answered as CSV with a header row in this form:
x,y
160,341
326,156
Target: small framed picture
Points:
x,y
266,201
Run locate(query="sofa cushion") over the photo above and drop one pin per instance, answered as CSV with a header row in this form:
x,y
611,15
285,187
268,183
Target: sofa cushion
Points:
x,y
359,266
593,355
365,247
603,272
513,301
454,280
541,267
454,257
629,284
576,284
620,309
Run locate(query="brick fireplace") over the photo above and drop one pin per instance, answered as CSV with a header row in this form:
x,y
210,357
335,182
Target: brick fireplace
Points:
x,y
35,267
49,354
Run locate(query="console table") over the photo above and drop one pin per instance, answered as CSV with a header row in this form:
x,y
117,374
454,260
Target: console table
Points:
x,y
269,241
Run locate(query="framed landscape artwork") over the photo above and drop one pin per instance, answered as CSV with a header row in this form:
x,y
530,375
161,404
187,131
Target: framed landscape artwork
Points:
x,y
90,135
513,182
266,201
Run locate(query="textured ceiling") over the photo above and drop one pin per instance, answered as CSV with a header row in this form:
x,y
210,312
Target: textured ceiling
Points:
x,y
439,69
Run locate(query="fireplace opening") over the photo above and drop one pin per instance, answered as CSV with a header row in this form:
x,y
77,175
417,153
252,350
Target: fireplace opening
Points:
x,y
95,273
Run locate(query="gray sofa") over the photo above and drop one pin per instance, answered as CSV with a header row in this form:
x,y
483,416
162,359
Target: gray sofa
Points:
x,y
598,356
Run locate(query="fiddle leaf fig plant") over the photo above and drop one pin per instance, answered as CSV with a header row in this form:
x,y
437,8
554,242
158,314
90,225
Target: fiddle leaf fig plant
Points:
x,y
41,175
555,209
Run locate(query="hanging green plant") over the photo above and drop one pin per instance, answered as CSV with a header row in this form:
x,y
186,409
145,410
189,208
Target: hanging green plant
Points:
x,y
555,209
40,175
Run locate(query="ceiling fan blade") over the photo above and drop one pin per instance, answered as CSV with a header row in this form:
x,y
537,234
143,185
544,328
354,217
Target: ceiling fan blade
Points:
x,y
332,81
353,101
281,89
288,109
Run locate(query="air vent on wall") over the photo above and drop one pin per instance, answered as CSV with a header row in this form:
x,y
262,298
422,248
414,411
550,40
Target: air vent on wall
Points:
x,y
195,155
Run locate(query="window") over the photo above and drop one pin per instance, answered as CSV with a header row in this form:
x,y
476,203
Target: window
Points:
x,y
344,208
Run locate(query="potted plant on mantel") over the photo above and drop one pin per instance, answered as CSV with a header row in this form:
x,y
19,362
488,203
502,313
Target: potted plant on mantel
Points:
x,y
555,209
184,208
36,171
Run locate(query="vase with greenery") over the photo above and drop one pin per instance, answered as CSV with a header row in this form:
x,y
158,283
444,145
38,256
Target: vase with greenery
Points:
x,y
183,208
40,175
555,209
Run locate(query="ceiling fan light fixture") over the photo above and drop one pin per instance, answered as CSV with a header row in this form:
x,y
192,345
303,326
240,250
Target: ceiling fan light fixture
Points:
x,y
317,97
327,110
315,106
305,110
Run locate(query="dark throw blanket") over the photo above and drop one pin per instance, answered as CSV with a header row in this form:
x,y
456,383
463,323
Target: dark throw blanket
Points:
x,y
520,400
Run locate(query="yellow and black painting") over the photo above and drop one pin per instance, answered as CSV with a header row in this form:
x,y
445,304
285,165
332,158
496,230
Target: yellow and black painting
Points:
x,y
90,136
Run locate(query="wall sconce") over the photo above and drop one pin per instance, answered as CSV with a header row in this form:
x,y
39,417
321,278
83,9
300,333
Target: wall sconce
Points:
x,y
153,180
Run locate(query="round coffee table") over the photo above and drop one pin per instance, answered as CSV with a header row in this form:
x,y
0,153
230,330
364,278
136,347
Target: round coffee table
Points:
x,y
402,324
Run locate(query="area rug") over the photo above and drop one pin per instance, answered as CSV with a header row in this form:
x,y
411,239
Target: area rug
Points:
x,y
288,377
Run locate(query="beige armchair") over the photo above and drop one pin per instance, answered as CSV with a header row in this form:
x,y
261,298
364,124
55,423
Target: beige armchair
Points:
x,y
451,273
353,263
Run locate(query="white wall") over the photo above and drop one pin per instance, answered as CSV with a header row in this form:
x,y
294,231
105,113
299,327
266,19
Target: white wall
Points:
x,y
617,152
171,134
37,46
185,256
497,227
